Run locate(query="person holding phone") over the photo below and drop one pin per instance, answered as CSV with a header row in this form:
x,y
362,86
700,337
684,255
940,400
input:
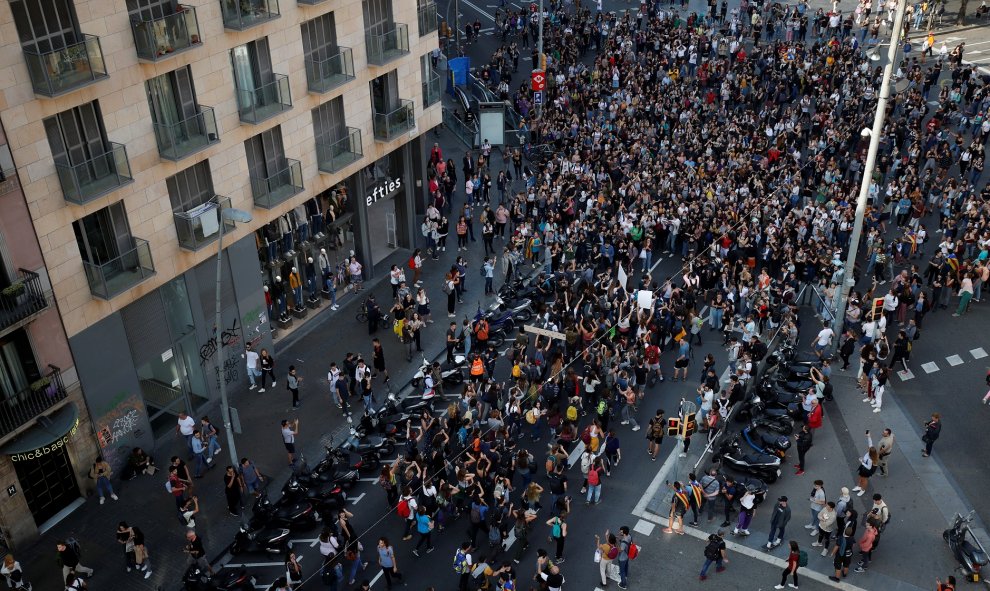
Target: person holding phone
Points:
x,y
101,472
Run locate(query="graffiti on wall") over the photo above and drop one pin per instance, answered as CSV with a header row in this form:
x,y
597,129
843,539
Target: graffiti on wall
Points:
x,y
255,324
118,425
228,338
230,371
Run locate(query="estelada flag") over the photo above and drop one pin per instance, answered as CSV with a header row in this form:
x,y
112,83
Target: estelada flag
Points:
x,y
953,262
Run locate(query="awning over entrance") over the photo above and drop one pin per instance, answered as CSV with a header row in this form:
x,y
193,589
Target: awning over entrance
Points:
x,y
49,433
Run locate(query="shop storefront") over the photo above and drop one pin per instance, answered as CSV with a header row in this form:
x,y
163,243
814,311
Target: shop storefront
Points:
x,y
304,254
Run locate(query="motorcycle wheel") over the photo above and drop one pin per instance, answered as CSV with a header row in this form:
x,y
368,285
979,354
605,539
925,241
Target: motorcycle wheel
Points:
x,y
496,340
945,535
454,378
525,316
361,317
387,449
769,477
414,382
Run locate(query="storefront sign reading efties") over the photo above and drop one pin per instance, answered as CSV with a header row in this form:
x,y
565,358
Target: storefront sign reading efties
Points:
x,y
383,191
47,449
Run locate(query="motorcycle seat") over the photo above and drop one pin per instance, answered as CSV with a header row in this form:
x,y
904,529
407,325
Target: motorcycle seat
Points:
x,y
757,459
974,552
290,511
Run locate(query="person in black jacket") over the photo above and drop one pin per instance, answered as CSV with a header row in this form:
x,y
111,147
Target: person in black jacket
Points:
x,y
804,443
932,430
847,348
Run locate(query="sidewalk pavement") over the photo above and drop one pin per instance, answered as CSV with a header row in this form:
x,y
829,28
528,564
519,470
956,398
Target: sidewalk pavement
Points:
x,y
144,502
920,495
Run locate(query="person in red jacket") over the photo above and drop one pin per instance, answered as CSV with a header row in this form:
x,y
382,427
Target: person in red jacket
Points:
x,y
815,415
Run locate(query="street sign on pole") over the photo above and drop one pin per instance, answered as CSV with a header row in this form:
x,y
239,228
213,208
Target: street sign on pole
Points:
x,y
538,97
539,80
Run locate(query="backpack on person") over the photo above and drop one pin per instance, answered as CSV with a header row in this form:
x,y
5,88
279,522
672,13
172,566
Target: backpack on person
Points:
x,y
556,530
402,509
572,411
412,263
712,550
460,562
633,551
74,545
802,558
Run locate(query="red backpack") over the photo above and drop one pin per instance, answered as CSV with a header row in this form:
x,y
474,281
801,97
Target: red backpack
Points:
x,y
402,509
412,263
594,479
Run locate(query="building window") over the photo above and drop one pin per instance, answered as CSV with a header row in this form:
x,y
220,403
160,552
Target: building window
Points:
x,y
195,206
182,126
87,163
392,115
45,25
261,93
274,178
114,260
431,81
18,368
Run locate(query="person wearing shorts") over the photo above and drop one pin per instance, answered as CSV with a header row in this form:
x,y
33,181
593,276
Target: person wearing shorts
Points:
x,y
253,480
289,433
655,434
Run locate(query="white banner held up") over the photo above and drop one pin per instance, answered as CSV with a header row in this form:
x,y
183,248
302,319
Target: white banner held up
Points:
x,y
623,279
645,299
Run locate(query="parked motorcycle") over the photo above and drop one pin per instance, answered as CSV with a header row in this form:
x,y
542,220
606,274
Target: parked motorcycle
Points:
x,y
228,579
284,513
451,373
966,548
260,537
325,496
327,471
362,444
731,455
766,443
782,414
753,485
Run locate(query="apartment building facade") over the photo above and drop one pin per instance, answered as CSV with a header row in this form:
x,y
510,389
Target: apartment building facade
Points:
x,y
132,123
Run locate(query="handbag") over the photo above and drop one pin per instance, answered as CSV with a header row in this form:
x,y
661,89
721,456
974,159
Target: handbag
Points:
x,y
598,555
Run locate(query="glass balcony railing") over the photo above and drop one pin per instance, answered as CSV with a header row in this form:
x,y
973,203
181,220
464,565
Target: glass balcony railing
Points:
x,y
265,101
427,19
82,182
334,156
23,298
387,46
200,226
59,71
164,37
279,186
114,277
244,14
323,75
180,139
310,2
432,87
22,407
389,126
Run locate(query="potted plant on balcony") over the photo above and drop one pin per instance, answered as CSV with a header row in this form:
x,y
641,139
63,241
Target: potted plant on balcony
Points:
x,y
14,293
40,384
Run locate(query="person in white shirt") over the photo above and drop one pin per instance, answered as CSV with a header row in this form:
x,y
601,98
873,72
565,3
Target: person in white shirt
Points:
x,y
823,339
252,366
185,427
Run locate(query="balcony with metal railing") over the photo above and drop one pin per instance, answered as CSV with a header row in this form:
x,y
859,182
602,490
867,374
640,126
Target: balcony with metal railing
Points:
x,y
432,87
183,138
161,38
323,75
244,14
16,410
264,101
22,299
427,14
84,181
200,226
394,123
275,188
119,274
334,156
59,71
387,46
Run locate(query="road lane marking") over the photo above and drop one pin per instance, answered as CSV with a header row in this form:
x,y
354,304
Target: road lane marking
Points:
x,y
978,353
644,527
905,375
954,360
930,367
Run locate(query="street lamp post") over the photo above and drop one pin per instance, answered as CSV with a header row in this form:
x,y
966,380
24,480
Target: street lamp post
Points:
x,y
848,281
225,214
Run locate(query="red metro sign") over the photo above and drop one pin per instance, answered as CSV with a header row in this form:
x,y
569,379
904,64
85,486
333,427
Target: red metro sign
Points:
x,y
539,80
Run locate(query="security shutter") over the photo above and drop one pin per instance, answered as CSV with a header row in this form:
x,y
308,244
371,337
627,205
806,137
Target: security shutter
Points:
x,y
146,328
206,279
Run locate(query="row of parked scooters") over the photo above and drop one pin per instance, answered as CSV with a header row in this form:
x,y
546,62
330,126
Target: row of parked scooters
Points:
x,y
769,414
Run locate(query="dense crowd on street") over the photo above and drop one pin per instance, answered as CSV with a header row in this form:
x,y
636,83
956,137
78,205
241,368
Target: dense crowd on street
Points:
x,y
729,140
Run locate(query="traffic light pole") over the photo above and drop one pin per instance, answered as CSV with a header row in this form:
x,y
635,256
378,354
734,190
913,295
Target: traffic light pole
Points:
x,y
539,54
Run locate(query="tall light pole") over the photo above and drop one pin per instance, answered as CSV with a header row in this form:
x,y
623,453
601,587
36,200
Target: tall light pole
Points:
x,y
848,280
225,214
